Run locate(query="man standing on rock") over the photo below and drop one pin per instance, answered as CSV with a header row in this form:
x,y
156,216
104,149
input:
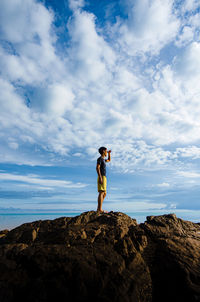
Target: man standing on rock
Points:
x,y
102,180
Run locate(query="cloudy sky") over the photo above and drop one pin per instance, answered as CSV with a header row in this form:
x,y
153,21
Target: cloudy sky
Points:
x,y
77,75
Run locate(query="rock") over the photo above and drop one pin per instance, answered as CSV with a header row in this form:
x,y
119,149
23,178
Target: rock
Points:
x,y
3,233
101,257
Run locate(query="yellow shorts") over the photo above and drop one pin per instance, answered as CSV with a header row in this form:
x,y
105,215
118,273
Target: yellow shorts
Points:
x,y
103,186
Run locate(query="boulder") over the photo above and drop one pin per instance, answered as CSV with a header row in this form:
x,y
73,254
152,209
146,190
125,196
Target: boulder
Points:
x,y
101,257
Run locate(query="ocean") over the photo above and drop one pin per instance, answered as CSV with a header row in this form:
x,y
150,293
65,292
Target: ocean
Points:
x,y
12,220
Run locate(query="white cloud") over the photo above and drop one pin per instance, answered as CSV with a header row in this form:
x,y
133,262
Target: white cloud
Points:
x,y
22,13
35,179
191,151
55,99
186,36
14,112
189,62
179,83
76,4
130,155
28,55
13,145
188,174
77,154
163,185
150,26
91,56
190,5
173,206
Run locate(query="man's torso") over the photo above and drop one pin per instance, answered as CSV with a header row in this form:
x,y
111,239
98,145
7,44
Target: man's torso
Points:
x,y
102,163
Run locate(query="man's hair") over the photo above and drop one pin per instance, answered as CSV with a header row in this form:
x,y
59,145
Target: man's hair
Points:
x,y
102,149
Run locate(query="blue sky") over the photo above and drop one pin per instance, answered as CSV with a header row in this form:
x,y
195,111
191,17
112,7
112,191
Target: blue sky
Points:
x,y
77,75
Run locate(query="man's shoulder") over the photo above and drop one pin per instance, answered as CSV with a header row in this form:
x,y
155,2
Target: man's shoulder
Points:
x,y
100,159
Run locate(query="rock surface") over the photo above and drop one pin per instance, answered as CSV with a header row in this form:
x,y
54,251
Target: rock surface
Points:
x,y
101,257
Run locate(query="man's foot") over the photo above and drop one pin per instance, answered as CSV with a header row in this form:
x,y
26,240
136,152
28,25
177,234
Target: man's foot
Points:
x,y
102,211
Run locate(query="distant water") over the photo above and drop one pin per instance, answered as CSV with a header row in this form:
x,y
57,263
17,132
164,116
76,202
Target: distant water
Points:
x,y
12,220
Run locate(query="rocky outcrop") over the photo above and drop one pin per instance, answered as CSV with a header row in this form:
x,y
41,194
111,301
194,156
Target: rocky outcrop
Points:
x,y
101,257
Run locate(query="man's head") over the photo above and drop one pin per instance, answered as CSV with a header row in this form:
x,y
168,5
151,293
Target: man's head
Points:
x,y
103,151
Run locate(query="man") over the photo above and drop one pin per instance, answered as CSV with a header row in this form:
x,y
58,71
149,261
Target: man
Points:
x,y
101,171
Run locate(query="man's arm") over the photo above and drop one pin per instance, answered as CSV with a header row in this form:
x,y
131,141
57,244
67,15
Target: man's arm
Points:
x,y
99,174
109,157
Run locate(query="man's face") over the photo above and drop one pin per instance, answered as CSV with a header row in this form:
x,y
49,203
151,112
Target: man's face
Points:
x,y
105,152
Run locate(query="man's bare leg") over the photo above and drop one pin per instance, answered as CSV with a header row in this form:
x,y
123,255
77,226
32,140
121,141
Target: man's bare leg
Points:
x,y
101,198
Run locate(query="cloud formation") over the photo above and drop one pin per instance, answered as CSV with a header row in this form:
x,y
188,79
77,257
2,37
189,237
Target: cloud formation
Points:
x,y
114,84
149,27
37,180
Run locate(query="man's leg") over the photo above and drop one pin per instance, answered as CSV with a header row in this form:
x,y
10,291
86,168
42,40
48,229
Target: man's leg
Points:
x,y
102,195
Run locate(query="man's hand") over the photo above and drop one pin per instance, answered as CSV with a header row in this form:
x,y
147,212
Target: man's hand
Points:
x,y
109,157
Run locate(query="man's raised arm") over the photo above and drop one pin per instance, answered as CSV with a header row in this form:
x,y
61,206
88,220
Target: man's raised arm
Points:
x,y
109,157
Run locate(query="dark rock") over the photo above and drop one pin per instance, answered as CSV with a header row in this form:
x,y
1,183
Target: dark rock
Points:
x,y
101,257
3,233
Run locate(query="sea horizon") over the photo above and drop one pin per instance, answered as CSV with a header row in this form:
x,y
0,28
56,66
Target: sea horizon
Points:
x,y
10,220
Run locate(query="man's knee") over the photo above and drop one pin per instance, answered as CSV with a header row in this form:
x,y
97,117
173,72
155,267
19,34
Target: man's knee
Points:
x,y
102,193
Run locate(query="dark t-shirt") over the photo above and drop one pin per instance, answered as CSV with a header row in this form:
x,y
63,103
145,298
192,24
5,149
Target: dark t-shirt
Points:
x,y
102,163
